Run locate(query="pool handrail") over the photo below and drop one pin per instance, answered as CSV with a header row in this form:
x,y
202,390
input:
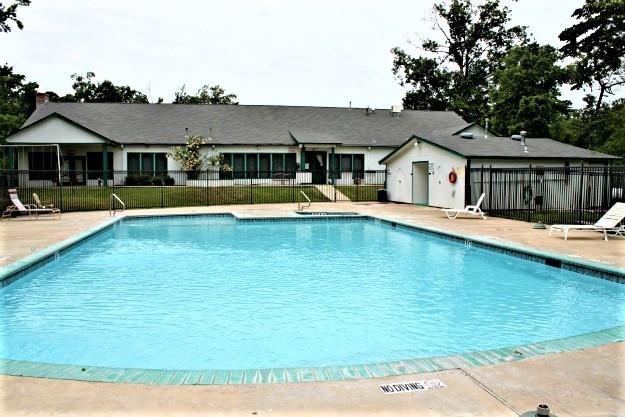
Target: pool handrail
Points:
x,y
112,208
300,206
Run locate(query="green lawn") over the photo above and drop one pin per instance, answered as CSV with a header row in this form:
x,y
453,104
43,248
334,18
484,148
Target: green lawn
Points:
x,y
360,192
88,198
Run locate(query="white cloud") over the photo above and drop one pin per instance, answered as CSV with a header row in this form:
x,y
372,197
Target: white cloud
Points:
x,y
267,52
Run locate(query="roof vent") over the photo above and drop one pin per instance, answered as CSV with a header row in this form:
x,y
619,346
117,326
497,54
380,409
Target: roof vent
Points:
x,y
369,111
396,110
516,137
466,135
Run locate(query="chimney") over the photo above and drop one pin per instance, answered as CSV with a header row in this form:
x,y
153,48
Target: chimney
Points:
x,y
41,98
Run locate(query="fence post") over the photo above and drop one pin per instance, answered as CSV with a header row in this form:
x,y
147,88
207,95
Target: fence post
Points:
x,y
531,198
251,193
61,197
162,192
580,198
482,180
467,183
605,203
490,186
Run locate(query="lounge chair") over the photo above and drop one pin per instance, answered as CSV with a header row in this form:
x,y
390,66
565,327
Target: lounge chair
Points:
x,y
41,205
28,209
608,223
474,211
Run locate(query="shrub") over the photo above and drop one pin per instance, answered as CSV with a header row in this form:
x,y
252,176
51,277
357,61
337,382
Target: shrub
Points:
x,y
169,180
131,180
141,180
156,181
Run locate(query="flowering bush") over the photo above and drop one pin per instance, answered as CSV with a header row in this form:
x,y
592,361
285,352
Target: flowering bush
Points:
x,y
189,155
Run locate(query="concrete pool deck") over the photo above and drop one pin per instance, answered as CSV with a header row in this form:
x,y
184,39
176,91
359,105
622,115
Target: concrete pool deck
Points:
x,y
585,382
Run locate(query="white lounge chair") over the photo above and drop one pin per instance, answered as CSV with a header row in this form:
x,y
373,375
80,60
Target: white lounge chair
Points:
x,y
608,223
474,211
28,209
39,204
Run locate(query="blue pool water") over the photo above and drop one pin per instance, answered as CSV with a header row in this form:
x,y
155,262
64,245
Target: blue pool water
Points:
x,y
211,292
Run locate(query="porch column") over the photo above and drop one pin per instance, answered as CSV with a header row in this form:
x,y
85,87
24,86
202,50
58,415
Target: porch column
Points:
x,y
303,159
105,160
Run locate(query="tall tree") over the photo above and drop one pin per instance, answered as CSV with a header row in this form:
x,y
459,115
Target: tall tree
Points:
x,y
453,72
205,95
88,91
597,43
8,14
525,91
17,100
602,130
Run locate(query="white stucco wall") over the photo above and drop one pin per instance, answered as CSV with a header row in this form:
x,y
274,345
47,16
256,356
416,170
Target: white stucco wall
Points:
x,y
54,130
441,192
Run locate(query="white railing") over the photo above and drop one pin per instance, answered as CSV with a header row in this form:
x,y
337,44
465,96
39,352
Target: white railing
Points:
x,y
112,208
300,206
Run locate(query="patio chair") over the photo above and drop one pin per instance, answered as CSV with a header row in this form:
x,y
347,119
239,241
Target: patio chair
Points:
x,y
39,204
28,209
608,223
471,210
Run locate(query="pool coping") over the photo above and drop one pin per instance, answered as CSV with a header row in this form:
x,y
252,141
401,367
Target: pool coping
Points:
x,y
16,270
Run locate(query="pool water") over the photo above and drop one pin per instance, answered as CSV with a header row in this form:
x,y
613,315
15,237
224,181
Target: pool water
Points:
x,y
201,292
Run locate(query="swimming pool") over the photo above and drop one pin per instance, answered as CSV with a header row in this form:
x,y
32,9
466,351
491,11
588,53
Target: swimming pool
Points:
x,y
213,292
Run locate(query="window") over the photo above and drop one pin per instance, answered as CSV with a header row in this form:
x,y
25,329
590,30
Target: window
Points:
x,y
354,163
41,165
147,163
259,165
94,165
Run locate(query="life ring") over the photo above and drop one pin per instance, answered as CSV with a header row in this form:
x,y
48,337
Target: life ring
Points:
x,y
453,177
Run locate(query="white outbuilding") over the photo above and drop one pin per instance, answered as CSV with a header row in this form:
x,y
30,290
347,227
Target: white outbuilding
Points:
x,y
433,170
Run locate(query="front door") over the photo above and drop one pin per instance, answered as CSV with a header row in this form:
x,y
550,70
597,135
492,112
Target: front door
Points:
x,y
316,161
420,183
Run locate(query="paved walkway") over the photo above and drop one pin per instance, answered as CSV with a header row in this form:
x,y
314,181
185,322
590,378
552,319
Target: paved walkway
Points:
x,y
331,193
579,383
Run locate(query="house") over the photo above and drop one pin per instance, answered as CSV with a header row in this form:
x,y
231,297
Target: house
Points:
x,y
421,157
256,140
432,169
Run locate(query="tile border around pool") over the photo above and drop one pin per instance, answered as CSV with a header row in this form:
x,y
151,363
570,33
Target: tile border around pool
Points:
x,y
309,374
16,270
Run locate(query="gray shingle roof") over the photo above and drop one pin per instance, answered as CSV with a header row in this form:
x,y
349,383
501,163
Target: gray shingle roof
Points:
x,y
263,125
501,147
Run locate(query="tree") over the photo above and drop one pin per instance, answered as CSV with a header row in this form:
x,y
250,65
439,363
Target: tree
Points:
x,y
454,71
8,14
602,130
597,43
88,91
205,95
17,100
525,91
54,97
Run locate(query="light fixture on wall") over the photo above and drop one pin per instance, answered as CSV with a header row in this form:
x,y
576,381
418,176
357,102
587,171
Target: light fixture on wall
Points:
x,y
213,147
258,147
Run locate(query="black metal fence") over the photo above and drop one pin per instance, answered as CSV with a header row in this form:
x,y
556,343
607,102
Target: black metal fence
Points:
x,y
570,195
91,190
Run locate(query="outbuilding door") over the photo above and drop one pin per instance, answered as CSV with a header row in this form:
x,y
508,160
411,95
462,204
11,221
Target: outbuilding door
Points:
x,y
420,183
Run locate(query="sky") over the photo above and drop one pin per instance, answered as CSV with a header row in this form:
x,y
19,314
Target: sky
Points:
x,y
320,53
